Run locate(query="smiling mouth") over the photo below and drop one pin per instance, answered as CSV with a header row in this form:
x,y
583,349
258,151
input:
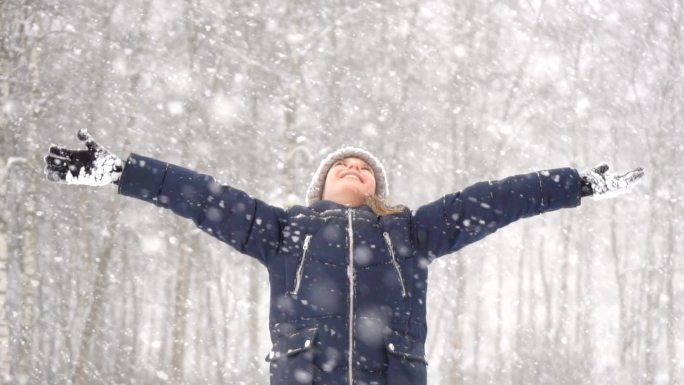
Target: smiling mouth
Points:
x,y
352,176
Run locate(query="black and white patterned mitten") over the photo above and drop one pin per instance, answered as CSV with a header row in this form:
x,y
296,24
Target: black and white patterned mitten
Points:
x,y
94,166
599,183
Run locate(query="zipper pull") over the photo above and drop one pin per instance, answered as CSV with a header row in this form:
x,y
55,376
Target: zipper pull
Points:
x,y
387,238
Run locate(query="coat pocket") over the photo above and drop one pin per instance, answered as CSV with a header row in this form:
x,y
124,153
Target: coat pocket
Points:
x,y
292,358
300,266
406,363
390,248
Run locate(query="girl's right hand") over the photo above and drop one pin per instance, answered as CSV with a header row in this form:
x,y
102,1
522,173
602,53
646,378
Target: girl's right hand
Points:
x,y
94,166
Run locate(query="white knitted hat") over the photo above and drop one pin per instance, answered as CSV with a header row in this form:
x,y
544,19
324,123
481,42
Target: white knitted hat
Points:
x,y
313,193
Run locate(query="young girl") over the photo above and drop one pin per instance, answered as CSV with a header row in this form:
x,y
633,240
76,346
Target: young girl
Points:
x,y
348,272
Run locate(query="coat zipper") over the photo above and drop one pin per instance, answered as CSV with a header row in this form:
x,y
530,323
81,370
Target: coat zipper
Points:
x,y
300,268
350,277
388,241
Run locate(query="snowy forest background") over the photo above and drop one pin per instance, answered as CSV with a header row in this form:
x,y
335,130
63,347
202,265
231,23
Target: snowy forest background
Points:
x,y
96,288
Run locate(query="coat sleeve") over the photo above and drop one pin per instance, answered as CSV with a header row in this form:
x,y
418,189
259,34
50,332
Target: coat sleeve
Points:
x,y
247,224
456,220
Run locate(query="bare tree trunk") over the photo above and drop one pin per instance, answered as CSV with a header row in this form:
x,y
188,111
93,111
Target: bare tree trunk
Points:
x,y
584,330
4,325
533,345
291,100
675,14
332,117
129,319
130,304
649,285
651,310
17,305
499,367
12,362
579,292
561,336
518,373
22,53
85,369
670,295
214,335
5,214
620,279
477,327
455,373
180,308
179,332
253,273
5,164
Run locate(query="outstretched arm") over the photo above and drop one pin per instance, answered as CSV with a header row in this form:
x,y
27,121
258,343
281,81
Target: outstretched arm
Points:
x,y
456,220
247,224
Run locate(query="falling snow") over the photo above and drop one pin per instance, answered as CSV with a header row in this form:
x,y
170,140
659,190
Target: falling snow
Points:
x,y
97,288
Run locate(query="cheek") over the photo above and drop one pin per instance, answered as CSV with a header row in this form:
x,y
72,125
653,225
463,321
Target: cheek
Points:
x,y
329,181
371,187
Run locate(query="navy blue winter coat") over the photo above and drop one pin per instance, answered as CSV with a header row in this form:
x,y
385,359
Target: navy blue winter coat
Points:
x,y
348,287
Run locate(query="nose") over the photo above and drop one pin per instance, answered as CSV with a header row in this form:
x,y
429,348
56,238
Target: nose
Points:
x,y
355,164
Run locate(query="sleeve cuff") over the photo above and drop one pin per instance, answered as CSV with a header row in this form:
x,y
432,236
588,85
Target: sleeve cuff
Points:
x,y
142,178
560,188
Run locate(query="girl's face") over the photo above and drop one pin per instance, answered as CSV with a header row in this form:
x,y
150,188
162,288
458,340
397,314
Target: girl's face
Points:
x,y
349,181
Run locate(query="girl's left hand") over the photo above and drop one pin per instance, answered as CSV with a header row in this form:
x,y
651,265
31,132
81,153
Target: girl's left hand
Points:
x,y
604,184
